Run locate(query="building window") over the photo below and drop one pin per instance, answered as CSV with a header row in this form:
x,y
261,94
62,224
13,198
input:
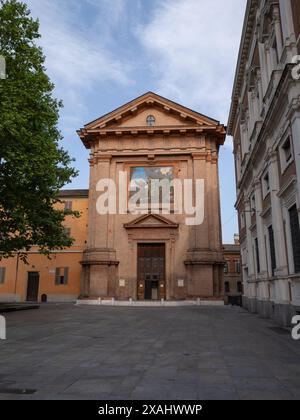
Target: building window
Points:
x,y
238,266
287,148
2,274
266,184
295,233
151,121
286,153
226,268
61,276
257,256
240,287
296,16
67,232
253,205
275,53
242,218
272,250
227,287
68,205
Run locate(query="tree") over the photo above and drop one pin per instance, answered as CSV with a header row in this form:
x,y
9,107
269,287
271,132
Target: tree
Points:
x,y
33,166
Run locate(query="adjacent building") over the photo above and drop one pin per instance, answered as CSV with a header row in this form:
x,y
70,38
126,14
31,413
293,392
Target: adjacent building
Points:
x,y
265,124
54,279
233,282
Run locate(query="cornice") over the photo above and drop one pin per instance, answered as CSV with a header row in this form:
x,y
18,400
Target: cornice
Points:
x,y
272,108
249,23
189,122
88,136
101,156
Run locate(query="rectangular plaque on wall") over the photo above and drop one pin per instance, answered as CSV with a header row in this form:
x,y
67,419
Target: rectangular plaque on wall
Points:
x,y
180,283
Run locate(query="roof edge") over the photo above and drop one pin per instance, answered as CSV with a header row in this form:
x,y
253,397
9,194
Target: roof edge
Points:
x,y
73,193
247,27
149,93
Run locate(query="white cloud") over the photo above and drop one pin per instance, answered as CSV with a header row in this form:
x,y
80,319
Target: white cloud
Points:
x,y
73,57
76,38
192,49
111,11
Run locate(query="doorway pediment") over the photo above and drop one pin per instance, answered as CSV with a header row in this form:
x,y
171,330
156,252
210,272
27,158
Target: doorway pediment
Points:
x,y
150,221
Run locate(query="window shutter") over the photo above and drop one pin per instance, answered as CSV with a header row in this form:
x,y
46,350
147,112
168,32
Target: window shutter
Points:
x,y
226,267
2,274
295,232
68,231
257,256
68,205
66,275
57,276
272,250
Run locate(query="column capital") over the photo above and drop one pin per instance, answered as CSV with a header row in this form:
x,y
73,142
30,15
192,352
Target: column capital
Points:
x,y
247,203
276,14
267,45
104,158
273,156
199,156
257,183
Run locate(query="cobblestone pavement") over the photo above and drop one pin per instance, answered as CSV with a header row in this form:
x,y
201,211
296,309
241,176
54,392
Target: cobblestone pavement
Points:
x,y
69,352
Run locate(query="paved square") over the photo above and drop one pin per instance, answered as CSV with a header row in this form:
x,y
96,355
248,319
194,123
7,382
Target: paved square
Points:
x,y
69,352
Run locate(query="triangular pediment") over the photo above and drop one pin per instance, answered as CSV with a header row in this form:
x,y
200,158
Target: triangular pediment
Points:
x,y
162,119
151,221
169,117
167,113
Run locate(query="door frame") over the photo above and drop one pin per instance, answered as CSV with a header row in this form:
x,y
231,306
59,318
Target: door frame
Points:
x,y
140,283
38,285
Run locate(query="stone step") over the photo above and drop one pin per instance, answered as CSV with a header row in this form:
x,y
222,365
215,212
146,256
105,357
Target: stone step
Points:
x,y
162,303
10,307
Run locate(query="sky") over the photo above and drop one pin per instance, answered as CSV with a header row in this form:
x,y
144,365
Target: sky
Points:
x,y
101,54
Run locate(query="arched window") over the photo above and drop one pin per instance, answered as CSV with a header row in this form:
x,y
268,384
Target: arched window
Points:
x,y
151,121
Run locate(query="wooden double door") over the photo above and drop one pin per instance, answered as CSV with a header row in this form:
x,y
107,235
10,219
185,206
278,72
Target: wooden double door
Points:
x,y
33,285
151,271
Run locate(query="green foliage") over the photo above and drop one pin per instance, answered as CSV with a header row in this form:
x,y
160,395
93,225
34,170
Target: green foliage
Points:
x,y
33,167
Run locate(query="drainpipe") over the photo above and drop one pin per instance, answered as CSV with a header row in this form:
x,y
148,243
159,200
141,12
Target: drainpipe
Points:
x,y
16,280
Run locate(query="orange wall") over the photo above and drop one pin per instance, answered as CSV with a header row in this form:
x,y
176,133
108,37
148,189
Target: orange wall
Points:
x,y
16,275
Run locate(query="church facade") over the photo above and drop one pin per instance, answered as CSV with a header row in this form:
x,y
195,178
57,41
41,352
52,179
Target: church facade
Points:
x,y
150,255
167,249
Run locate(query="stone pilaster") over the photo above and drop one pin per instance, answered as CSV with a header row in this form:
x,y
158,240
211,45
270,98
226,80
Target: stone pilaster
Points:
x,y
277,218
278,32
260,231
296,143
251,266
99,257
